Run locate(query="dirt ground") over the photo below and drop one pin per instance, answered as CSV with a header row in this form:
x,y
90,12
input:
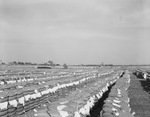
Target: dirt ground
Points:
x,y
139,96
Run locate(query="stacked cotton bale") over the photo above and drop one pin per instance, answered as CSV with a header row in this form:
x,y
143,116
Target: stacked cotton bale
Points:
x,y
146,75
29,101
3,106
30,96
44,95
117,103
12,104
21,103
3,81
85,109
142,74
139,73
38,95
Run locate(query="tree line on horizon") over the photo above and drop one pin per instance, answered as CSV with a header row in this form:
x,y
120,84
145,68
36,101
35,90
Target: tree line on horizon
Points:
x,y
49,63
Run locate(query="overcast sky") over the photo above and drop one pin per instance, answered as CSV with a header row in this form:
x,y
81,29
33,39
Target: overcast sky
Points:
x,y
75,31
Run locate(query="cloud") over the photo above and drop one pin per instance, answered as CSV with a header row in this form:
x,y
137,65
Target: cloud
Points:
x,y
70,28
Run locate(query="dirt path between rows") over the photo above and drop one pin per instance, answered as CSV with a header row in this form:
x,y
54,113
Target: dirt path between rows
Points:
x,y
139,98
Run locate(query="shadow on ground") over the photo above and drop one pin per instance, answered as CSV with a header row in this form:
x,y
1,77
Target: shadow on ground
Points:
x,y
144,83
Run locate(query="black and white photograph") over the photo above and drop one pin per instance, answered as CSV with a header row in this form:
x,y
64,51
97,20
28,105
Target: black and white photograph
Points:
x,y
74,58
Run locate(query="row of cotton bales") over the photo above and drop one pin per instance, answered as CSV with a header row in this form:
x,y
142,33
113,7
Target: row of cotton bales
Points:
x,y
19,85
42,80
24,100
85,110
142,74
27,78
117,103
4,81
27,100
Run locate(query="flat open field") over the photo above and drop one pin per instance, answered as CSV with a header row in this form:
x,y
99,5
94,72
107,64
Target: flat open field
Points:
x,y
26,91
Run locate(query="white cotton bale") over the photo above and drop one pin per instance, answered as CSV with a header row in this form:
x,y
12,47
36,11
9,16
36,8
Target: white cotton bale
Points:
x,y
13,103
90,103
31,79
21,101
100,93
23,79
118,91
13,81
111,82
114,109
60,87
82,111
18,80
69,84
44,92
63,86
38,94
33,96
128,100
98,96
145,76
107,85
2,83
106,88
8,82
116,101
116,113
53,90
3,105
103,89
76,83
87,109
76,114
114,104
34,110
50,90
20,87
27,97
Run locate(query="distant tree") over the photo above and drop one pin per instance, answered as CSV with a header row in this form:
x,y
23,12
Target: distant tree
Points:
x,y
57,64
3,63
51,63
34,64
65,66
14,62
28,63
21,63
